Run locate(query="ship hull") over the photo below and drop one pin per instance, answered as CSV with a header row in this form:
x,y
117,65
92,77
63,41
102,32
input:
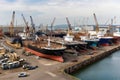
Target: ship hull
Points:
x,y
57,58
106,41
92,43
58,52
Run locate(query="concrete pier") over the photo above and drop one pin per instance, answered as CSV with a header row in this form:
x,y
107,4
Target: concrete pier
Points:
x,y
91,59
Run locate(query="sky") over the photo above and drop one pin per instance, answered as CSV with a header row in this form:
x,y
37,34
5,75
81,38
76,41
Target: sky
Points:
x,y
43,11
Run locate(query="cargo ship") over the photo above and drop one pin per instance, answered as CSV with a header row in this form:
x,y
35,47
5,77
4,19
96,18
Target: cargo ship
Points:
x,y
46,49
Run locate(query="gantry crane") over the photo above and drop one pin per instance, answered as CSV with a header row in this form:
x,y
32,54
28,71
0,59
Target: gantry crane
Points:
x,y
32,24
11,28
96,22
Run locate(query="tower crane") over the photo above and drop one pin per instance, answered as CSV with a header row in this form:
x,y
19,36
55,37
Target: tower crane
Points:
x,y
11,28
32,24
96,22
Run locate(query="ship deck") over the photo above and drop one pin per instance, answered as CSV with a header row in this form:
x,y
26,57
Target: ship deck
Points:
x,y
61,41
41,44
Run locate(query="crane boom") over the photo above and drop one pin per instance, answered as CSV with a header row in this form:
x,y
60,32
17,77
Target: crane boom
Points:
x,y
97,26
11,29
107,22
52,25
24,20
32,24
26,23
69,25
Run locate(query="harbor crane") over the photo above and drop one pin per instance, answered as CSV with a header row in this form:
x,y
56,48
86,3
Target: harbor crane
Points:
x,y
96,22
52,25
69,26
111,28
26,23
11,28
32,24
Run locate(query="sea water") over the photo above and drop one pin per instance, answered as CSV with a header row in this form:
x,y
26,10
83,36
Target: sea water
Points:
x,y
105,69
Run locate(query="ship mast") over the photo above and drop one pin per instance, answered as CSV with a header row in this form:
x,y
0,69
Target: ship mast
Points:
x,y
51,32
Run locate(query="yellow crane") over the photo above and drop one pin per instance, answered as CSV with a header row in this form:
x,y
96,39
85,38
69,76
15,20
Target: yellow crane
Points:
x,y
11,28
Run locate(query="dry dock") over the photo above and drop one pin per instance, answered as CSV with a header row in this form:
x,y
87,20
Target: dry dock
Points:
x,y
53,70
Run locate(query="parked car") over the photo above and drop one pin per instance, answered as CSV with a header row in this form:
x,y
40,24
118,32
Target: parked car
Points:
x,y
32,67
22,74
29,67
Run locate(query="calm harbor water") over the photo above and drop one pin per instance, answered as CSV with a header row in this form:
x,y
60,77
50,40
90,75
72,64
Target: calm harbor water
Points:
x,y
106,69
